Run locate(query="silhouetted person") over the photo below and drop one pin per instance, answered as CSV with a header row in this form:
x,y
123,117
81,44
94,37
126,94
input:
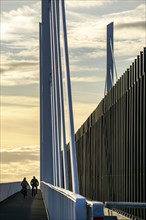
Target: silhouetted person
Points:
x,y
34,183
24,185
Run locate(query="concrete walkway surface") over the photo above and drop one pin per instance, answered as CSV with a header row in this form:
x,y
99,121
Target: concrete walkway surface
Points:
x,y
18,208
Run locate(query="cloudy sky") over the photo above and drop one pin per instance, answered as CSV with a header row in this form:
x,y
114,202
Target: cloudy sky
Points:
x,y
86,24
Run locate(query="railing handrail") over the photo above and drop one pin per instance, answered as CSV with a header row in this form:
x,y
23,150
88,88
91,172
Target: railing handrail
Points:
x,y
63,204
10,183
125,205
65,192
69,204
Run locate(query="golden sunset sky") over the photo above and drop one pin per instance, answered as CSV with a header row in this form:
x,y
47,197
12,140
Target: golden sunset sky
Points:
x,y
86,26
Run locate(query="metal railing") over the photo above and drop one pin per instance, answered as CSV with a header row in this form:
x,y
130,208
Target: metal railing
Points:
x,y
110,144
119,207
64,204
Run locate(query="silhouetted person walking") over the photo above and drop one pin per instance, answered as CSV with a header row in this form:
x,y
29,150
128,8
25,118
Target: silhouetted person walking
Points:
x,y
34,183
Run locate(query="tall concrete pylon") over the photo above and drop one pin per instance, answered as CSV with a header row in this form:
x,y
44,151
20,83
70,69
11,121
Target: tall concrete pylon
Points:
x,y
46,158
110,57
53,155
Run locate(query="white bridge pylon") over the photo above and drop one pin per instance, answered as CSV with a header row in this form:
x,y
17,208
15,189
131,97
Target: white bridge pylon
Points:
x,y
53,153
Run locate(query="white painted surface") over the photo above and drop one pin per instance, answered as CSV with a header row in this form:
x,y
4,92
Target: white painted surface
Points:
x,y
63,204
8,189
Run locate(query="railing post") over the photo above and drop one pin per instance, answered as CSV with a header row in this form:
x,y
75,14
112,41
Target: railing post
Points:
x,y
95,210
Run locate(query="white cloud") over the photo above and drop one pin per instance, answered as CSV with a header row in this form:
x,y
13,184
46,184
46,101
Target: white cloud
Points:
x,y
33,149
91,31
75,67
87,4
20,46
87,30
19,72
87,37
87,79
20,29
20,37
17,162
26,15
17,101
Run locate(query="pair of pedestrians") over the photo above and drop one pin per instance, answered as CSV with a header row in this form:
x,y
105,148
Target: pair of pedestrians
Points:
x,y
34,183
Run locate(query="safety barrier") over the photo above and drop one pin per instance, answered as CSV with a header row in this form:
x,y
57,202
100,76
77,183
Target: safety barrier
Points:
x,y
110,145
95,210
64,204
120,207
111,214
117,205
8,189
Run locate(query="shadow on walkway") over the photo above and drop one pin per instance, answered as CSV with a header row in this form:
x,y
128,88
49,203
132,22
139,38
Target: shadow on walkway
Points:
x,y
18,208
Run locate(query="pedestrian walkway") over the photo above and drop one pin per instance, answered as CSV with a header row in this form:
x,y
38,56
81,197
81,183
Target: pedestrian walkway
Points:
x,y
18,208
